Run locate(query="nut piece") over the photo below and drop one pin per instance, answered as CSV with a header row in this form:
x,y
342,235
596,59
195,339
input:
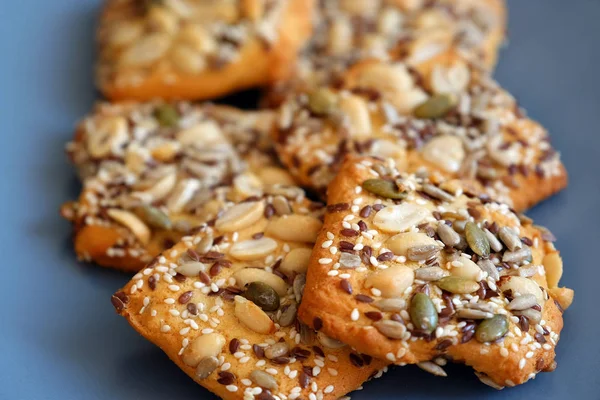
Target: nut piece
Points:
x,y
357,112
401,217
554,269
252,316
294,228
209,345
436,107
296,261
522,286
445,152
246,276
191,268
392,282
465,268
108,136
131,222
322,101
391,305
253,249
240,216
403,243
564,296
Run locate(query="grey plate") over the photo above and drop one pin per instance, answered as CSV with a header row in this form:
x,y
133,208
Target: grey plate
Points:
x,y
59,335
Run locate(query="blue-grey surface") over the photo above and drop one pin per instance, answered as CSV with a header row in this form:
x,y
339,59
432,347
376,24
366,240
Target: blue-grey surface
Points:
x,y
59,335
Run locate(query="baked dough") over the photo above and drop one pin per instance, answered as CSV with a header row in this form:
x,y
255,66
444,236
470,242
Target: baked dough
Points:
x,y
152,172
349,30
376,275
222,305
445,116
197,49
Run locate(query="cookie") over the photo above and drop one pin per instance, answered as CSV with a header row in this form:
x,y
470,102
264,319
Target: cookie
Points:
x,y
446,116
416,271
154,171
197,49
222,305
348,30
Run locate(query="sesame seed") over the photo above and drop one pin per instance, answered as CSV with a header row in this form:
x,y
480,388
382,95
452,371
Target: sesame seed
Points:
x,y
522,363
231,388
354,315
324,261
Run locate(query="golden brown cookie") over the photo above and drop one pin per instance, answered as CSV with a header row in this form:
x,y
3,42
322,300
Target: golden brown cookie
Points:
x,y
197,49
222,305
350,30
154,171
445,116
416,271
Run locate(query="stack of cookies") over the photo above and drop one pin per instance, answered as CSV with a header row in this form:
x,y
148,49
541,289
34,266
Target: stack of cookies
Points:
x,y
368,214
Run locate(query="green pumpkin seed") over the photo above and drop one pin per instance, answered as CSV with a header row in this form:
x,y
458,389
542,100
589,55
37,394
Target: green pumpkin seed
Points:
x,y
436,106
423,313
262,295
477,239
322,101
167,115
492,329
457,285
154,216
383,188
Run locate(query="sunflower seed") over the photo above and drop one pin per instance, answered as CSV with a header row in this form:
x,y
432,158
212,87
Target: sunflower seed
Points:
x,y
468,313
263,379
448,235
422,253
391,305
522,302
517,256
348,260
288,315
432,368
281,205
206,367
487,266
510,238
298,286
437,193
279,349
429,273
390,329
534,316
494,242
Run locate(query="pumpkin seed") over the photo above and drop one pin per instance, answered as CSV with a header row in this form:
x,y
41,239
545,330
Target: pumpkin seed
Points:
x,y
154,216
206,367
510,238
166,115
423,313
391,329
429,273
448,235
477,239
492,329
383,188
263,379
494,242
436,106
288,315
522,302
487,266
279,349
517,256
262,295
457,285
391,305
322,101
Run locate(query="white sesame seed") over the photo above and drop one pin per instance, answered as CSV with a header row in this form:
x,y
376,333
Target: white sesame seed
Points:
x,y
333,272
244,360
328,389
231,388
324,261
330,235
165,328
529,354
225,366
169,300
332,371
271,371
504,352
184,331
354,315
522,363
316,370
326,244
391,357
293,374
